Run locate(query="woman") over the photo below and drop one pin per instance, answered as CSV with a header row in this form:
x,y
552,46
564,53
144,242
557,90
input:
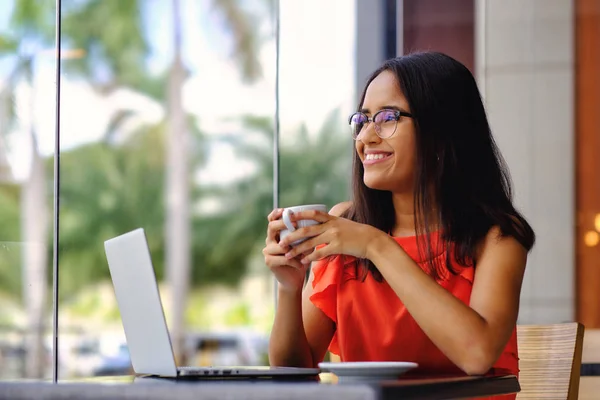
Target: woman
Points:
x,y
425,264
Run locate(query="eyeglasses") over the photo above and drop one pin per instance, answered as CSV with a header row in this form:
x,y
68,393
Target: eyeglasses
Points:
x,y
385,122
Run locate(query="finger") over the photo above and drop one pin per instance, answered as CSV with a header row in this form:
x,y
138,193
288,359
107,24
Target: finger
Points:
x,y
275,214
317,255
303,233
304,254
299,257
274,228
274,249
305,248
274,262
315,215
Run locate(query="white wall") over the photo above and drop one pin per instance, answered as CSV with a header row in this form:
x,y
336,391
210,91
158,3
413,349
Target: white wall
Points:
x,y
525,67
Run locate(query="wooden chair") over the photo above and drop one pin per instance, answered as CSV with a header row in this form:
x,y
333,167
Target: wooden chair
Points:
x,y
591,347
550,360
589,386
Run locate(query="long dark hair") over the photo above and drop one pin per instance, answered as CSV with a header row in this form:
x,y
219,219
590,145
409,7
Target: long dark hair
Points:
x,y
461,179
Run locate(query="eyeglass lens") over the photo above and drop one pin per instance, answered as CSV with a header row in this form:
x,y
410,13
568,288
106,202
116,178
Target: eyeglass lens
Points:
x,y
385,123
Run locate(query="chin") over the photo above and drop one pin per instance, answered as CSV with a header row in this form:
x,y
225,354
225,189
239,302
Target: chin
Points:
x,y
377,184
384,183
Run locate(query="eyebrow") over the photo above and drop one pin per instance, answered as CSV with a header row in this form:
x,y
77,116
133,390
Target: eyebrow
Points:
x,y
366,110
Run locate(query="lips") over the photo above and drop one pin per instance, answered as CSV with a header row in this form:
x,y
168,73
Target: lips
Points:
x,y
375,158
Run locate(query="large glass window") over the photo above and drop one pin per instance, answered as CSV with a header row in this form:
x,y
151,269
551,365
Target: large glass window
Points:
x,y
27,125
167,126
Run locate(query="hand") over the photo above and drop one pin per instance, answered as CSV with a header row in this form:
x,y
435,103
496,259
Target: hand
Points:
x,y
339,235
289,272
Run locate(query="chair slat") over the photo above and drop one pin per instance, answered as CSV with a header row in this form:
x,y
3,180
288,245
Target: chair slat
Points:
x,y
550,360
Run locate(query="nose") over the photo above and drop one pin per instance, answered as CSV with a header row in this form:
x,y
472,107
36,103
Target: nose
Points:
x,y
368,135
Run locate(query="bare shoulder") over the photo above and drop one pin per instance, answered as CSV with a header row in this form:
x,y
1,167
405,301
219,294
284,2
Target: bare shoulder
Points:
x,y
495,242
340,208
500,268
500,261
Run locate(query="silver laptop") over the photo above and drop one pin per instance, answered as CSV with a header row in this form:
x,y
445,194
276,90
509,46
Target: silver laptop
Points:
x,y
144,323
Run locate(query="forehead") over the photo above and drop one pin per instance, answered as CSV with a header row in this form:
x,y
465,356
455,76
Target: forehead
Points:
x,y
383,91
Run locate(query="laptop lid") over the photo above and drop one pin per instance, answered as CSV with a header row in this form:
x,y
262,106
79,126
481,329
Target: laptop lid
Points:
x,y
139,302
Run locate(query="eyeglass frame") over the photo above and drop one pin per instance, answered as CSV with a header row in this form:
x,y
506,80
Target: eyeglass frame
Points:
x,y
397,115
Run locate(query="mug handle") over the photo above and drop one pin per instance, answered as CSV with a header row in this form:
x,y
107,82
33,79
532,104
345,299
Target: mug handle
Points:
x,y
287,221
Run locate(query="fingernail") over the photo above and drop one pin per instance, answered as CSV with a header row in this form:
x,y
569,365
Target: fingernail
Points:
x,y
304,261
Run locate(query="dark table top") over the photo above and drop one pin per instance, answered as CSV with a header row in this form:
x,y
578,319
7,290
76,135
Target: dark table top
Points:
x,y
130,387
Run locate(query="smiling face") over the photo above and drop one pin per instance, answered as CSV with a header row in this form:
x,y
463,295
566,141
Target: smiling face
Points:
x,y
389,164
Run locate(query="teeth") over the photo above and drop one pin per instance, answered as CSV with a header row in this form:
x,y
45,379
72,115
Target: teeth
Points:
x,y
378,156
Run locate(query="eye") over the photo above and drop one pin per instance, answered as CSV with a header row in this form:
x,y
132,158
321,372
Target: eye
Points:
x,y
358,119
385,116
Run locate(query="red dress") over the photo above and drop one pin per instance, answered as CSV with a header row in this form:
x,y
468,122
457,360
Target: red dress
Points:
x,y
372,324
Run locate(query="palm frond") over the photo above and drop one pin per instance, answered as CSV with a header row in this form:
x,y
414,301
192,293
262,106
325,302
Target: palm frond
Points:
x,y
34,18
115,123
120,50
21,71
9,45
243,26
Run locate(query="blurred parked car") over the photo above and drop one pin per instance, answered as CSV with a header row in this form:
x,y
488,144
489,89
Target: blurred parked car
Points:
x,y
202,349
226,348
118,364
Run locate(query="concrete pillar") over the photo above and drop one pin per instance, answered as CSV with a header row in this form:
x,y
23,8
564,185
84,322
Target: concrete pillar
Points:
x,y
525,68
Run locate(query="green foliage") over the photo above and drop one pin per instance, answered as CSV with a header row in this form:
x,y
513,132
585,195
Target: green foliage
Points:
x,y
8,45
10,248
243,27
239,315
105,191
34,19
112,35
313,170
111,187
108,189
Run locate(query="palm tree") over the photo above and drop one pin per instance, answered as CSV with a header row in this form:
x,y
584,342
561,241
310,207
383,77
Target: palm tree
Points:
x,y
177,232
32,33
123,53
115,58
31,30
178,223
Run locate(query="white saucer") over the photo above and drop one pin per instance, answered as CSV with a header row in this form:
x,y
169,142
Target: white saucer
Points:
x,y
369,371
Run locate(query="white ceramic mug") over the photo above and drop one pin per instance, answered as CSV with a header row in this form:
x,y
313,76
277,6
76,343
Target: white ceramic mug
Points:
x,y
302,223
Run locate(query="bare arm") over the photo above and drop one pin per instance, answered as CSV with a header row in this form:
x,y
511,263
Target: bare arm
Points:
x,y
472,336
301,332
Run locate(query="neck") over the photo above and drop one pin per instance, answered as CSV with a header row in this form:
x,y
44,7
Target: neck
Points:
x,y
404,208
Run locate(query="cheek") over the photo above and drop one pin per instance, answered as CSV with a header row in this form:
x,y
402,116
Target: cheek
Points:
x,y
358,145
404,148
405,154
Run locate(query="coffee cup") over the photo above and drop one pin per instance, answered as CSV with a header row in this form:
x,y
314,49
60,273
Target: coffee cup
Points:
x,y
301,223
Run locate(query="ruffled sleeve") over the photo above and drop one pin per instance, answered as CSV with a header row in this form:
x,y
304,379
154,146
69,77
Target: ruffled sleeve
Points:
x,y
327,275
468,273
